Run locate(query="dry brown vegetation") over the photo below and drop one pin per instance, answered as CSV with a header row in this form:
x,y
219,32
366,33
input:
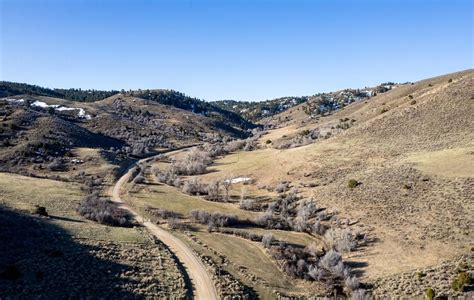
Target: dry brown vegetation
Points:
x,y
373,198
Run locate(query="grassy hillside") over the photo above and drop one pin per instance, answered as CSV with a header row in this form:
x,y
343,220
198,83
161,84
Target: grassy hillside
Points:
x,y
409,150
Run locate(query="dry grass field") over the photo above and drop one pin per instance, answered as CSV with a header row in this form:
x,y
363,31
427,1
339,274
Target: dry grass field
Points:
x,y
70,251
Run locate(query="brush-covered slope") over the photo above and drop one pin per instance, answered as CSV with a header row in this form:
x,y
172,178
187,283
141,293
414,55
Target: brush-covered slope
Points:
x,y
40,129
411,152
227,120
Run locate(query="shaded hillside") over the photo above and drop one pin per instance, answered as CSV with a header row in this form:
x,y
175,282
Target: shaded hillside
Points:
x,y
28,136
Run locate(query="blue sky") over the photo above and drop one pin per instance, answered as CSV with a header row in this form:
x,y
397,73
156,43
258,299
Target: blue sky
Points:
x,y
243,50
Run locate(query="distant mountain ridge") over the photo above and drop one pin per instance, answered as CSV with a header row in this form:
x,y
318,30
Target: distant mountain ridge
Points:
x,y
318,103
165,97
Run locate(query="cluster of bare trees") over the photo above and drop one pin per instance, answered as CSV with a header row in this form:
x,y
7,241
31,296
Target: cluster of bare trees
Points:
x,y
162,213
194,162
250,204
305,137
315,264
214,219
103,211
194,187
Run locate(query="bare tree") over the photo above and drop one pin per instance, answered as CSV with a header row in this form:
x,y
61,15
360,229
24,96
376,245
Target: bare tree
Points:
x,y
226,184
214,190
267,240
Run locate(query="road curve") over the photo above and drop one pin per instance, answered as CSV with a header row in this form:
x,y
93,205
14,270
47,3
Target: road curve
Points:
x,y
203,287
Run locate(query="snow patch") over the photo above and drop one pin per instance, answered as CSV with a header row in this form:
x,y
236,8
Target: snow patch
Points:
x,y
43,104
239,179
81,112
15,100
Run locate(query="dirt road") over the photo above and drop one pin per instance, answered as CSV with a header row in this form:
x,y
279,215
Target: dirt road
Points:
x,y
203,287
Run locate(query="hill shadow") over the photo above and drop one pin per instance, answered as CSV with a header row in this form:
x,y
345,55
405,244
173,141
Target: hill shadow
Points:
x,y
39,258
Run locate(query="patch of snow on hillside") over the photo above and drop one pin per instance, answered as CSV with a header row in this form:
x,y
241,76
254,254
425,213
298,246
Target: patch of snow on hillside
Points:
x,y
239,179
14,100
43,104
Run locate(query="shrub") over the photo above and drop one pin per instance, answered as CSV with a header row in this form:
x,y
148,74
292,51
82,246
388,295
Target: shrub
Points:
x,y
194,162
250,144
168,177
384,110
139,179
330,260
226,184
413,102
429,294
282,187
315,273
40,210
352,283
268,142
340,239
215,219
57,165
249,204
162,213
213,190
450,80
410,97
360,294
269,221
267,240
461,280
235,145
353,183
103,211
194,187
176,224
318,228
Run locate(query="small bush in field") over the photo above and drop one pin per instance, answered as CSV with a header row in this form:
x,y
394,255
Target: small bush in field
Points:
x,y
429,294
40,210
249,204
139,179
214,219
413,102
194,162
461,280
353,183
194,187
410,97
162,213
103,211
267,240
450,80
282,187
176,224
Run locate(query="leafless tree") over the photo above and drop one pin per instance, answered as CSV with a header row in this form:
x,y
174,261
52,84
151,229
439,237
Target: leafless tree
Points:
x,y
267,240
226,184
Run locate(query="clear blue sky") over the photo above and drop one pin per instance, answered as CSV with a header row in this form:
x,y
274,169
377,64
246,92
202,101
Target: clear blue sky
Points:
x,y
243,50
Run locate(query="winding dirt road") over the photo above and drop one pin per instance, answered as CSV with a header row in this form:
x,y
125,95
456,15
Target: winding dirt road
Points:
x,y
202,283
